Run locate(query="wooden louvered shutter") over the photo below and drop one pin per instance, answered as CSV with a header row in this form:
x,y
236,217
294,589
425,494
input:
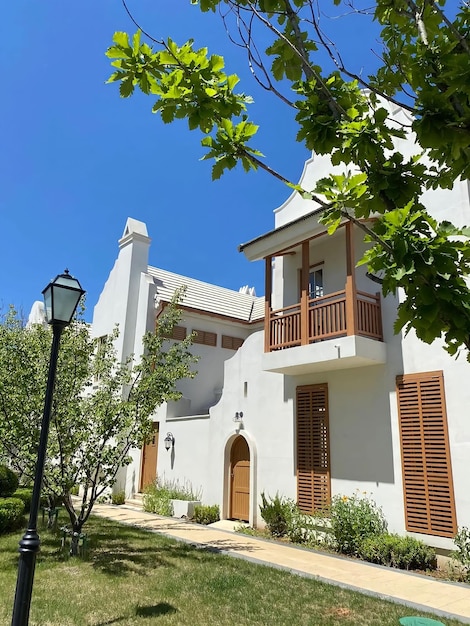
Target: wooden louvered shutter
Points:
x,y
205,337
426,464
232,343
313,449
179,333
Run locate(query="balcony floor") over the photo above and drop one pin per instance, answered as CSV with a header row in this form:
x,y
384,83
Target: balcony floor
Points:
x,y
333,354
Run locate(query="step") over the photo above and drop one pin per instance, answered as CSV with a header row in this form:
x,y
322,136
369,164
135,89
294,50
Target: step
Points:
x,y
136,500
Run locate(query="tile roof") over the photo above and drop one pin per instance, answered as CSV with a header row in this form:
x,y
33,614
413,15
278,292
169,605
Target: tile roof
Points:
x,y
207,297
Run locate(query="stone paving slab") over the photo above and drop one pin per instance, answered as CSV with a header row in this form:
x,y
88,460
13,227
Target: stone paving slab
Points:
x,y
418,591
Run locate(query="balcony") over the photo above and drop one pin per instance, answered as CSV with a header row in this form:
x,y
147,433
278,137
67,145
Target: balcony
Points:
x,y
340,330
336,331
326,319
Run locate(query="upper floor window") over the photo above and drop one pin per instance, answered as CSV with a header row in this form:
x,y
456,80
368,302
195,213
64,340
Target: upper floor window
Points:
x,y
232,343
100,352
177,332
315,282
205,337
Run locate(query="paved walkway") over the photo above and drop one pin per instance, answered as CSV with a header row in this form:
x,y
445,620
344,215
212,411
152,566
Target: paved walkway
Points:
x,y
424,593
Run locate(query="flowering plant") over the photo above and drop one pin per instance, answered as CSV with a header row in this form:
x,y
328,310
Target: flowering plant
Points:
x,y
353,518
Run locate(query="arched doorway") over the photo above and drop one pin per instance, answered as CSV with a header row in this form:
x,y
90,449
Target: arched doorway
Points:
x,y
240,480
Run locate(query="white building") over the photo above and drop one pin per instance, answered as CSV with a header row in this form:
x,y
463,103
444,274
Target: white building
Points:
x,y
322,400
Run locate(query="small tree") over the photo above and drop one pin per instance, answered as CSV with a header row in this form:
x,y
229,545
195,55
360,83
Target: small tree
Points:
x,y
101,407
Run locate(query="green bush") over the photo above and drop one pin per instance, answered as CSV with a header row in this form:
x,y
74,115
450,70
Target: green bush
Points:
x,y
462,554
8,482
206,514
157,501
119,497
277,513
25,494
74,490
310,530
353,519
396,551
157,496
11,514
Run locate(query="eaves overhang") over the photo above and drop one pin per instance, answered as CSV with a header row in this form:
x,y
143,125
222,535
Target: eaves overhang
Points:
x,y
283,237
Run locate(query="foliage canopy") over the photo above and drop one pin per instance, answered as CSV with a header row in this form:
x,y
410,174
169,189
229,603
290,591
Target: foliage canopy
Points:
x,y
424,68
101,407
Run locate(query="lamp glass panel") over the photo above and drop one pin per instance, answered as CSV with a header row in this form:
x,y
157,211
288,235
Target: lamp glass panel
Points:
x,y
67,281
48,302
64,302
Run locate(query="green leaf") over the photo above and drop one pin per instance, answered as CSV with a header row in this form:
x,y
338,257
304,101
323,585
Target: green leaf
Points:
x,y
126,88
136,43
115,52
121,39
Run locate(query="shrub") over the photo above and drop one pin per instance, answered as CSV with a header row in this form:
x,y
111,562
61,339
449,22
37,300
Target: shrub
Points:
x,y
11,514
119,497
250,531
396,551
206,514
74,490
311,530
277,514
8,482
462,554
157,496
157,501
353,519
25,494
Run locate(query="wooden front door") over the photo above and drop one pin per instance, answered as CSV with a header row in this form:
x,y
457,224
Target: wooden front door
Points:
x,y
240,480
149,459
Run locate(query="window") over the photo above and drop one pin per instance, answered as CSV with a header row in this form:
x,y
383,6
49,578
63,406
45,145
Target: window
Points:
x,y
315,282
426,464
205,337
232,343
313,448
100,351
178,333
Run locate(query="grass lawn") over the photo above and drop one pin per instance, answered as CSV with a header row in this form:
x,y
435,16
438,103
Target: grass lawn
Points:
x,y
135,577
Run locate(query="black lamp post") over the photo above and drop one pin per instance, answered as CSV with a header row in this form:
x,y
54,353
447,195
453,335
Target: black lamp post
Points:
x,y
61,298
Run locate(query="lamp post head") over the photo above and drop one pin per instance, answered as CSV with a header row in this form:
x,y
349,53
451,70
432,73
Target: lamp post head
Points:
x,y
61,298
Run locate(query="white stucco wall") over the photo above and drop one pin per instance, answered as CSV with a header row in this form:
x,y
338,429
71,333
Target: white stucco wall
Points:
x,y
364,438
363,416
123,294
187,462
206,388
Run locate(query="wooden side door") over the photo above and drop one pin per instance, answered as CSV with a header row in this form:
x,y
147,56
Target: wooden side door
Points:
x,y
240,480
149,459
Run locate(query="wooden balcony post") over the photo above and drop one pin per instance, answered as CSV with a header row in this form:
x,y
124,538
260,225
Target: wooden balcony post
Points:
x,y
268,283
351,304
304,294
379,302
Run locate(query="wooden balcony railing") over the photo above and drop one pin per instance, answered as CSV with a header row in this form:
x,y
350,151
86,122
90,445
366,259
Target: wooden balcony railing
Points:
x,y
327,319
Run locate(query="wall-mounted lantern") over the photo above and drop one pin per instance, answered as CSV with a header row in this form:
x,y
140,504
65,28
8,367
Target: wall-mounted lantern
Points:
x,y
169,441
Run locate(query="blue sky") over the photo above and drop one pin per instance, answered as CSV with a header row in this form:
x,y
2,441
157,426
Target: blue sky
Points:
x,y
76,160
